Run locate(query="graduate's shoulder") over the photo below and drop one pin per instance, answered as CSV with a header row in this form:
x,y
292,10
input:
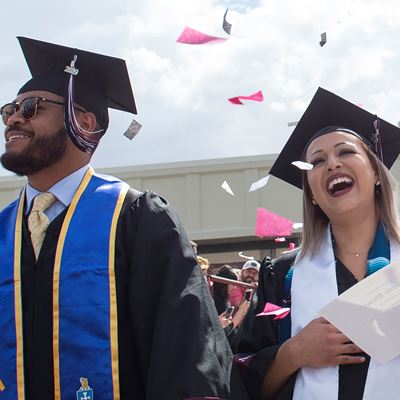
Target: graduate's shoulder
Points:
x,y
148,200
149,205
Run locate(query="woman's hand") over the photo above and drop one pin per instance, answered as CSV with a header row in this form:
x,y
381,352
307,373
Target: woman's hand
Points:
x,y
320,344
240,313
317,345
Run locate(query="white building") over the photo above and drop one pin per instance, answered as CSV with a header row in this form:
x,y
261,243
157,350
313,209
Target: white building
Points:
x,y
221,224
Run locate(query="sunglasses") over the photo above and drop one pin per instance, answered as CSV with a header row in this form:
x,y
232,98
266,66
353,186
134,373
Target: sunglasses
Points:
x,y
28,107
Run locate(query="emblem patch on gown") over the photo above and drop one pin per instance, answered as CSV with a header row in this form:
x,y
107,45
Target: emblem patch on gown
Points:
x,y
85,392
2,387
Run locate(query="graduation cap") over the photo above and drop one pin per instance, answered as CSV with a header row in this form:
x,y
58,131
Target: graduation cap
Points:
x,y
330,111
94,81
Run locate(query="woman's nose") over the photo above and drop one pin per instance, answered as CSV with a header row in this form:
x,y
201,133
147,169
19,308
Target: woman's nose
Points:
x,y
333,162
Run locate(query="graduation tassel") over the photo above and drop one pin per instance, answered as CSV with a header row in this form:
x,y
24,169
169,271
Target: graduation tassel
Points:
x,y
79,136
378,143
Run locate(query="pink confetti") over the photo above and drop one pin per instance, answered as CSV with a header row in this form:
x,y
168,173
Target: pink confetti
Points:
x,y
191,36
291,246
270,224
255,97
272,309
279,240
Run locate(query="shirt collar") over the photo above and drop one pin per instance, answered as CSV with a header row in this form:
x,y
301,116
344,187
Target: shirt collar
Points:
x,y
64,190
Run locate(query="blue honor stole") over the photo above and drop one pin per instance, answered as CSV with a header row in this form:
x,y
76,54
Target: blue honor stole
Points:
x,y
85,331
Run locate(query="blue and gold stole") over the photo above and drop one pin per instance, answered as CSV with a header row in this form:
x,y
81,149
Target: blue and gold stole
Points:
x,y
85,332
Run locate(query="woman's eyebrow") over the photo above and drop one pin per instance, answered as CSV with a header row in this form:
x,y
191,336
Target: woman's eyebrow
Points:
x,y
336,145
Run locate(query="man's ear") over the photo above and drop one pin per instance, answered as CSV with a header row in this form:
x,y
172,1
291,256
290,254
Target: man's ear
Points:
x,y
88,121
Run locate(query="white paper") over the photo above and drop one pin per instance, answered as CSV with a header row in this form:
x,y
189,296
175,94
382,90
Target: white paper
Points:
x,y
297,225
289,251
246,257
259,184
227,188
303,165
369,313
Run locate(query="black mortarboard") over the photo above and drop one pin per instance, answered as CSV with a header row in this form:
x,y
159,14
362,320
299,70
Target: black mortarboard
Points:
x,y
101,83
329,110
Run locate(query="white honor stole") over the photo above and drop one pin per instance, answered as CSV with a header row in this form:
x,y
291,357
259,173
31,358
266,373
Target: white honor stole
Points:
x,y
313,286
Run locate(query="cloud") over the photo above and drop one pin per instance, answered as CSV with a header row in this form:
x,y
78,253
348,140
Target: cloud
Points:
x,y
181,90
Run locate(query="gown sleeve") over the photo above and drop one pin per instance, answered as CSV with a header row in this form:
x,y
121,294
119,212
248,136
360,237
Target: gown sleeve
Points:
x,y
257,339
182,351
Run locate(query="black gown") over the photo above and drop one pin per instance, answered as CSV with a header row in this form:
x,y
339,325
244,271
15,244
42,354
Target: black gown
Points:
x,y
171,345
260,335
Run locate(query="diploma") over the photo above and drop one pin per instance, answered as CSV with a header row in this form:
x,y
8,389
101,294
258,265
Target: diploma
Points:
x,y
369,313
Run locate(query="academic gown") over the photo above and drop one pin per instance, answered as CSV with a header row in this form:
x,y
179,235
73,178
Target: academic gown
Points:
x,y
171,345
261,337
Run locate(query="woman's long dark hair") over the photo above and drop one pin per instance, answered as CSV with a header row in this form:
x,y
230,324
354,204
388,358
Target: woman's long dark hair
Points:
x,y
220,290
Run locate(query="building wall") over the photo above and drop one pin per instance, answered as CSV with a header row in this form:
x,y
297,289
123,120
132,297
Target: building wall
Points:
x,y
221,224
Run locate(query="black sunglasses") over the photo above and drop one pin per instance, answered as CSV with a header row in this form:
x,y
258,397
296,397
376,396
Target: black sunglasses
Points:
x,y
28,107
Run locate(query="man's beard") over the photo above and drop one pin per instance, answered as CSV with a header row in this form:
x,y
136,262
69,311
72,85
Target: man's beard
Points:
x,y
40,153
250,279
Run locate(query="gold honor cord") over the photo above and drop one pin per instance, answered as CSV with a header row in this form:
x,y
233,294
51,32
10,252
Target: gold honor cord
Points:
x,y
18,299
56,280
113,295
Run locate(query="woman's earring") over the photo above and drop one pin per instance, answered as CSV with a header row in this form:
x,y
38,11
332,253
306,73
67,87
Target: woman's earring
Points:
x,y
377,187
314,202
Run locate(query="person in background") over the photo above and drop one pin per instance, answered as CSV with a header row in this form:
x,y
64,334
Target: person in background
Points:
x,y
351,230
248,274
221,291
204,265
101,294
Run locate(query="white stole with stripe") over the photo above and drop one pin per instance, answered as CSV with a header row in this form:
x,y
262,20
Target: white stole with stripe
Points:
x,y
313,286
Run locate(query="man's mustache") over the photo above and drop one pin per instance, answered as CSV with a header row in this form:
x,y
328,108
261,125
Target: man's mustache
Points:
x,y
16,128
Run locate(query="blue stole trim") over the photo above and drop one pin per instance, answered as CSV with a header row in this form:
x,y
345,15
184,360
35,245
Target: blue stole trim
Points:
x,y
8,321
85,292
379,253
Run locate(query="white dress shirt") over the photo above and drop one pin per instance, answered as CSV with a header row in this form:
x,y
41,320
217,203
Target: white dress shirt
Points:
x,y
64,191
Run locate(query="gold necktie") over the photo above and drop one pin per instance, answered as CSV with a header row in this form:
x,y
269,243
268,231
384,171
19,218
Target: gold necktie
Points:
x,y
38,221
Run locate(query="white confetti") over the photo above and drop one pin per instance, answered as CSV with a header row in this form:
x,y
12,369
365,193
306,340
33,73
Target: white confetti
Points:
x,y
303,165
246,257
259,184
227,188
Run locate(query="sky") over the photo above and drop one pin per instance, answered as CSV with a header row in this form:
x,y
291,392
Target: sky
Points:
x,y
181,90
